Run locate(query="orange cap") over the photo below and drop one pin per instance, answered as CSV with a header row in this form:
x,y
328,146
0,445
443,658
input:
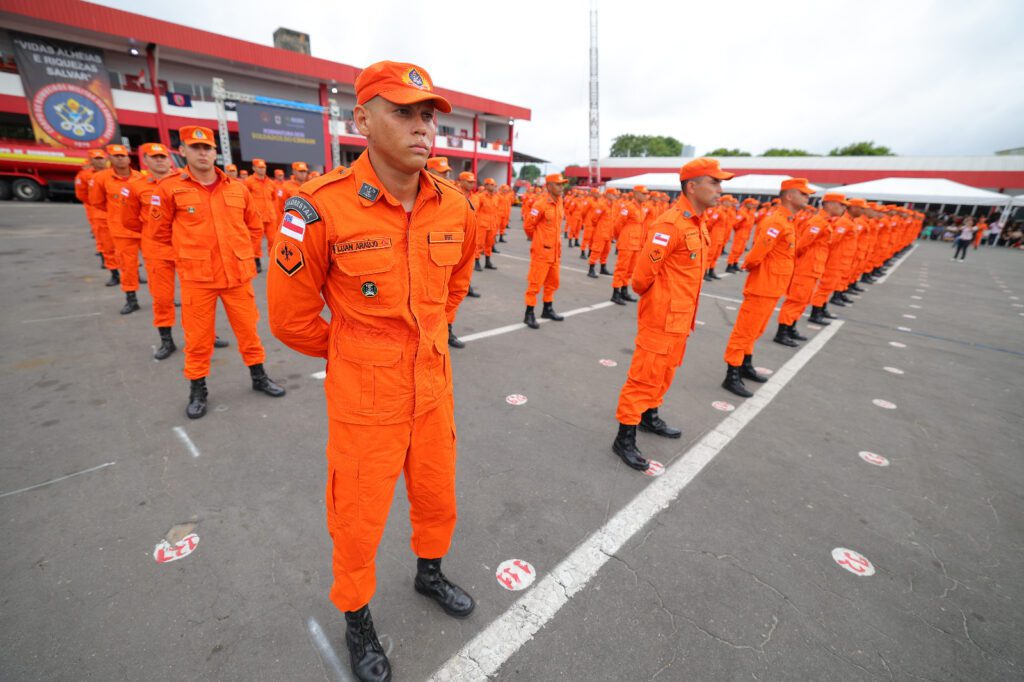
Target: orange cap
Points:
x,y
300,166
117,150
154,149
197,135
611,190
259,163
797,183
231,166
97,154
859,203
439,164
489,181
701,167
640,188
467,176
314,174
278,173
727,197
556,178
750,200
399,83
836,196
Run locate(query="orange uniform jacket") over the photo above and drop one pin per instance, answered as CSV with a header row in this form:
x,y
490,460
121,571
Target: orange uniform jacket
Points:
x,y
82,186
264,194
106,191
542,225
629,226
771,259
841,253
215,234
488,210
389,282
813,245
135,214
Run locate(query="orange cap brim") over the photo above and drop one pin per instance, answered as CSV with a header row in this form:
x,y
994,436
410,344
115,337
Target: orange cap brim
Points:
x,y
414,96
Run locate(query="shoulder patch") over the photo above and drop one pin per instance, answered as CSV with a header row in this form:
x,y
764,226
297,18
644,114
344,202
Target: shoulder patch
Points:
x,y
660,238
288,257
369,192
656,254
773,232
303,208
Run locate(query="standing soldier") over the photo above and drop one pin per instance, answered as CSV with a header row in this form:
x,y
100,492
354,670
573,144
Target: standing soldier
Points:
x,y
263,191
668,278
541,226
390,248
211,222
629,237
231,170
506,197
841,252
770,263
97,162
488,213
603,219
438,165
741,234
467,185
119,245
290,187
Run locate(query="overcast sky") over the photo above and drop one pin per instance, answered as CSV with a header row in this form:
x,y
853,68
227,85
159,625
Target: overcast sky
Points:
x,y
923,77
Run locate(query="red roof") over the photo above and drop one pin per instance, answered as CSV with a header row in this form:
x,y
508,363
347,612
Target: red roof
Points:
x,y
142,29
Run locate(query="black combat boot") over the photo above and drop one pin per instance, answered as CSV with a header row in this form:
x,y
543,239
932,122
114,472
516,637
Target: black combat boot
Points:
x,y
488,265
867,278
855,289
196,399
166,344
583,253
365,654
818,316
549,312
219,342
131,303
259,266
846,299
605,270
782,336
471,293
115,278
652,423
261,382
617,296
713,274
707,275
453,340
625,447
734,382
592,272
476,266
501,237
837,299
747,370
530,320
494,247
794,334
626,296
827,314
431,582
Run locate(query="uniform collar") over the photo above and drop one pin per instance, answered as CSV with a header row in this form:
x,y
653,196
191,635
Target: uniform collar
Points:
x,y
370,189
686,208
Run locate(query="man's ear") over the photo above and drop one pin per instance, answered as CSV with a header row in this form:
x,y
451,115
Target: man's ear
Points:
x,y
361,114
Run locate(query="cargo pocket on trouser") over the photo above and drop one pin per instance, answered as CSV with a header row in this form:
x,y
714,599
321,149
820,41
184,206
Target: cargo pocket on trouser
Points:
x,y
679,317
376,374
194,265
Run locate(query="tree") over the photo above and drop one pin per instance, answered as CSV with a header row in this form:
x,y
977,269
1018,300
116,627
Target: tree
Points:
x,y
646,145
722,151
861,149
779,151
529,172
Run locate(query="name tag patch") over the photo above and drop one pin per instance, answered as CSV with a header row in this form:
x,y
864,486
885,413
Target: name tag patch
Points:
x,y
445,237
361,245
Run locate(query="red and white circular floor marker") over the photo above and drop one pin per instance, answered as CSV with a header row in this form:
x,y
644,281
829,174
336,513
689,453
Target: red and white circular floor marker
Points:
x,y
655,469
852,561
608,363
765,371
897,344
516,399
515,574
885,404
723,406
165,552
873,458
903,329
893,370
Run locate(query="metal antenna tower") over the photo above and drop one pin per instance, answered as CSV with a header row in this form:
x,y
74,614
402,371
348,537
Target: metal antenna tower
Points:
x,y
595,114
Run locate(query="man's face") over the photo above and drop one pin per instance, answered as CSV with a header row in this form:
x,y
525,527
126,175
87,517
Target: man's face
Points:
x,y
401,135
121,163
640,196
260,171
301,176
232,172
707,191
99,164
833,208
199,156
555,188
797,198
467,185
491,188
158,164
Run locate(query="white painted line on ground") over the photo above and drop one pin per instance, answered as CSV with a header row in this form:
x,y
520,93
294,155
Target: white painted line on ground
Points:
x,y
58,480
898,263
322,374
62,317
513,327
179,431
326,651
561,266
484,654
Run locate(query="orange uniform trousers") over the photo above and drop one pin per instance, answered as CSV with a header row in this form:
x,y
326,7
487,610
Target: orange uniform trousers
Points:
x,y
485,240
160,275
655,360
127,249
801,291
600,248
820,296
363,464
198,317
542,275
739,244
625,264
105,242
753,317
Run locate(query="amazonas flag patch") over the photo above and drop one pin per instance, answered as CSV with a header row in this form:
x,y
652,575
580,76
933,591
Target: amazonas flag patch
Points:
x,y
293,226
660,238
773,232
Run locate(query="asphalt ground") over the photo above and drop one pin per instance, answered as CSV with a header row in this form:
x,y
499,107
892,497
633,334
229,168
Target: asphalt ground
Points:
x,y
732,578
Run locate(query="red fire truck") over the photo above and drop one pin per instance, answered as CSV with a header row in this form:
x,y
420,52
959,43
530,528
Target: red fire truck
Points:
x,y
32,172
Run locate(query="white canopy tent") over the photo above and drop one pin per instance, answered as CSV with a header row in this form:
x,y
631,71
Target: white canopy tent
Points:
x,y
924,191
662,182
741,184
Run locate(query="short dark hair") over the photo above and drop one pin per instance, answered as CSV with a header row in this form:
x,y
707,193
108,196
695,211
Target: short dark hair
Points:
x,y
682,185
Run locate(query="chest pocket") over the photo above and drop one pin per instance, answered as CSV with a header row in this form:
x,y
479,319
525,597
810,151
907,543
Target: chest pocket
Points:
x,y
445,252
693,245
189,213
236,206
369,281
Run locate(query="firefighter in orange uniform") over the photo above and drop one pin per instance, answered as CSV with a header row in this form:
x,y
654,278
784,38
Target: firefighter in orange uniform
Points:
x,y
588,218
542,225
467,185
120,247
603,220
438,165
263,191
814,239
211,222
506,197
390,248
668,277
289,188
488,213
841,252
770,265
629,237
231,170
97,162
745,219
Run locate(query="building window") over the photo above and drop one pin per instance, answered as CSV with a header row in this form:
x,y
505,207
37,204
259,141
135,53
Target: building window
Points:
x,y
445,130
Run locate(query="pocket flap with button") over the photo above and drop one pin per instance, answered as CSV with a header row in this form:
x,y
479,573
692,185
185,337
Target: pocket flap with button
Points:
x,y
380,356
693,241
191,253
234,200
677,305
244,252
369,262
659,346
